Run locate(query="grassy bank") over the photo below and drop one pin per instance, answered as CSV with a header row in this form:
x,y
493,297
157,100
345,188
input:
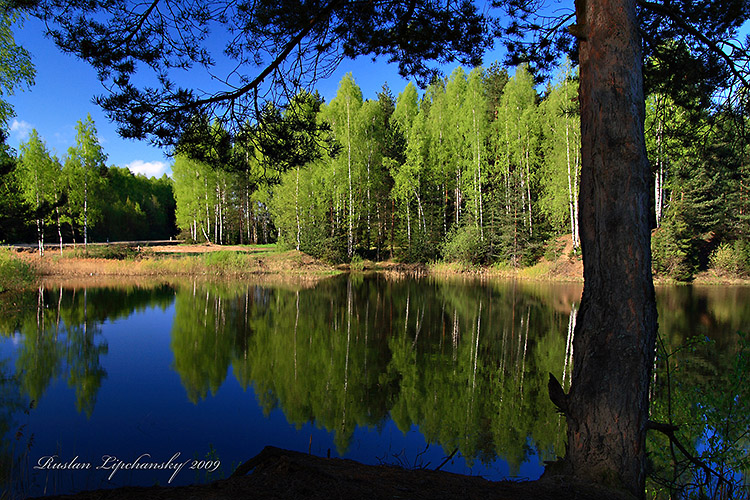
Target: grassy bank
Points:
x,y
20,269
15,273
121,260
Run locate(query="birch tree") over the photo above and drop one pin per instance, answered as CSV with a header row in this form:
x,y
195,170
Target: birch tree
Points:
x,y
371,124
475,129
85,164
405,174
561,167
342,113
36,173
457,152
439,157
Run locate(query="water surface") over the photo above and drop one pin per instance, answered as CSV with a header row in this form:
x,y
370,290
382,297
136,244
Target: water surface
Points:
x,y
374,368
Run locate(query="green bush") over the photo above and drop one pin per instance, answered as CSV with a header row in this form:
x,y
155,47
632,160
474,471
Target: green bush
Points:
x,y
112,252
531,253
422,249
732,259
464,244
357,263
672,251
225,260
14,273
319,243
554,250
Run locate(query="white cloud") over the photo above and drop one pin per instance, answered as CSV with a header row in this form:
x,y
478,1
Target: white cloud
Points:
x,y
20,129
149,168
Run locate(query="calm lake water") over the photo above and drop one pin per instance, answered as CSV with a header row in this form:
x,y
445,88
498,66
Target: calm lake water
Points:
x,y
136,381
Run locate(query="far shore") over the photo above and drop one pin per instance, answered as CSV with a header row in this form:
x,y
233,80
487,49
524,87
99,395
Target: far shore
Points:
x,y
169,258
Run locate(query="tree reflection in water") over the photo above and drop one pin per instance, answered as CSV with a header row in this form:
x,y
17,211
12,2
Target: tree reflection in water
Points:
x,y
465,362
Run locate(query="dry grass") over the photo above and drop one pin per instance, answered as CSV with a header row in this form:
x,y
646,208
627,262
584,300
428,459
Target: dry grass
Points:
x,y
179,260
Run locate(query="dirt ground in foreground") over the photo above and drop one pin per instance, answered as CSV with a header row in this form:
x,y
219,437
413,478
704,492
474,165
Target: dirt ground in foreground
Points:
x,y
283,474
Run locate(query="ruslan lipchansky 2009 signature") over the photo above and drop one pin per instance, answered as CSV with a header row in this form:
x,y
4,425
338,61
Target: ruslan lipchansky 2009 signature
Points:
x,y
113,464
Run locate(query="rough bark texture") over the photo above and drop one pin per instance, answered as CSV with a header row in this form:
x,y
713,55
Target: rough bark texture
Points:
x,y
616,325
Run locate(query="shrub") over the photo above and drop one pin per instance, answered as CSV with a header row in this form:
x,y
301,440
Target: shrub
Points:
x,y
732,259
357,263
14,273
554,250
672,252
113,252
464,244
225,261
319,243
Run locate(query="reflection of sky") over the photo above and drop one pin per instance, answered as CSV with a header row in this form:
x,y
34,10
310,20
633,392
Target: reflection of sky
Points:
x,y
142,407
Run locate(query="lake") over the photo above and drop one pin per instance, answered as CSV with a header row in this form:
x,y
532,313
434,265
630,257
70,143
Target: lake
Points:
x,y
106,386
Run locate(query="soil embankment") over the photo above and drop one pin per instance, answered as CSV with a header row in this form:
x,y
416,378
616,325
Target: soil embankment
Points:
x,y
283,474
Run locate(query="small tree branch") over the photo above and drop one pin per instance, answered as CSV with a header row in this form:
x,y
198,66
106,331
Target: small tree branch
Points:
x,y
669,430
139,23
255,82
679,20
447,459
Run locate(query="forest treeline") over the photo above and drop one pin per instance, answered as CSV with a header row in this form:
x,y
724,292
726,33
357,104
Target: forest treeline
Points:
x,y
77,198
480,168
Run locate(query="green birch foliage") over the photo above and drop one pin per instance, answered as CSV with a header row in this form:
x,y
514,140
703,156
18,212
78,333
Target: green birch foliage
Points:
x,y
407,107
16,69
194,197
372,129
516,130
455,92
85,167
409,180
185,191
302,197
36,174
341,113
303,201
286,204
407,174
14,212
561,148
475,131
469,128
438,154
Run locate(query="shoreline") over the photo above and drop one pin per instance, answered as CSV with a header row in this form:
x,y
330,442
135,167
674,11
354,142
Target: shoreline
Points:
x,y
216,262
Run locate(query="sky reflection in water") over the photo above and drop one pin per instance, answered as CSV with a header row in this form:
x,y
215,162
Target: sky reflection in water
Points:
x,y
369,368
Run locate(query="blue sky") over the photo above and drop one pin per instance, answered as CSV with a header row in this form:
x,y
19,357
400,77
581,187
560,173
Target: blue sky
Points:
x,y
64,88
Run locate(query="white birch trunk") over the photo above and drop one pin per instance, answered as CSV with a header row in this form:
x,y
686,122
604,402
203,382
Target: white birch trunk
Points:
x,y
350,240
296,207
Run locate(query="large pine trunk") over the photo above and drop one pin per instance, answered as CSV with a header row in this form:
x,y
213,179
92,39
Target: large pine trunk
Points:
x,y
615,334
